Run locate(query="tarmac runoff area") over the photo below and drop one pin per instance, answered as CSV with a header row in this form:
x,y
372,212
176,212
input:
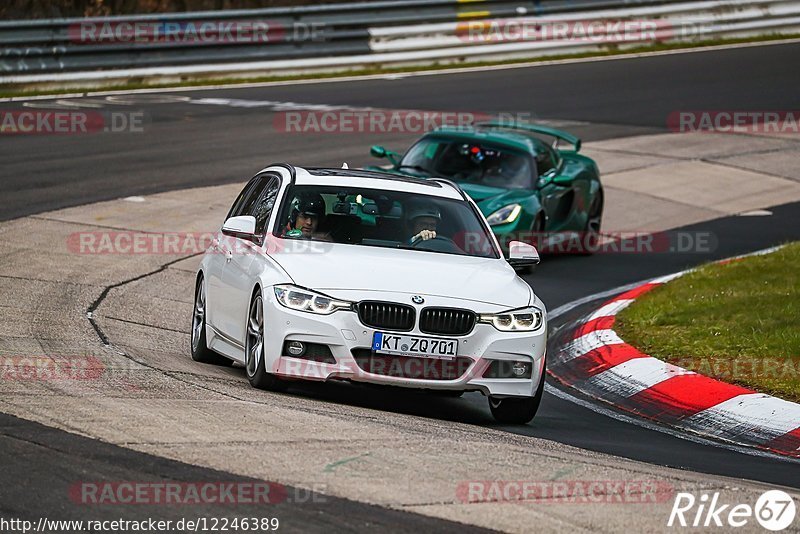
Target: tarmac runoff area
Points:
x,y
144,392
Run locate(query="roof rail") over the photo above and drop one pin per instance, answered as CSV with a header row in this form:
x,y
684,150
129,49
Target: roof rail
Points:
x,y
451,184
535,128
289,167
365,173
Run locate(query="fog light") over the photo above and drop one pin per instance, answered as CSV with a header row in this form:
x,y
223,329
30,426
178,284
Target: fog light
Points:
x,y
508,369
519,368
295,348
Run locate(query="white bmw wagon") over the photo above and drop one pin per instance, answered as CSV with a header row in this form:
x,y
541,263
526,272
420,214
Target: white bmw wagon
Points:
x,y
340,274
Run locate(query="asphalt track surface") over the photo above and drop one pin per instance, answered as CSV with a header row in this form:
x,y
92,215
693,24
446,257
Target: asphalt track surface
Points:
x,y
189,146
48,486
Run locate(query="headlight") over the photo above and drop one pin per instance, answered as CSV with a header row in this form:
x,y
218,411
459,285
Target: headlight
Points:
x,y
524,320
297,298
504,215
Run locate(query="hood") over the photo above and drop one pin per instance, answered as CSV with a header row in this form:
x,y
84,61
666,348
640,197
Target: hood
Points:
x,y
490,199
356,267
480,192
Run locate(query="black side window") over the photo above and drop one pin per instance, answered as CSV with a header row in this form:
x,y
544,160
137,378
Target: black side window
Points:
x,y
544,162
238,205
246,200
266,202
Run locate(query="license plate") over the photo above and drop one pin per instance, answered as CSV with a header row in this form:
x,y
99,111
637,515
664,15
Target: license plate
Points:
x,y
424,347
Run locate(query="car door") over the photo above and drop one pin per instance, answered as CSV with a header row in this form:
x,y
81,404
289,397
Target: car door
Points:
x,y
220,247
557,195
245,261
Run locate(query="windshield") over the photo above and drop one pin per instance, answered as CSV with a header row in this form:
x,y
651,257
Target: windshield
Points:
x,y
383,218
480,163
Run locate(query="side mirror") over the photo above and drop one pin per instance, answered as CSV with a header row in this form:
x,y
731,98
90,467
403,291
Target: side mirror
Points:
x,y
243,226
522,254
377,151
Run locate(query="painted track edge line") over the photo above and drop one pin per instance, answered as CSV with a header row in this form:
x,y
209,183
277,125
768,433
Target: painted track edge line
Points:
x,y
652,422
650,425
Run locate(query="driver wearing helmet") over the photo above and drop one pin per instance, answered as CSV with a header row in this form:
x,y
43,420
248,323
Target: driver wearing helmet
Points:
x,y
422,220
307,210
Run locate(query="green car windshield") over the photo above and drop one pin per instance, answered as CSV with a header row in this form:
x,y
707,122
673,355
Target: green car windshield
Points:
x,y
472,162
383,218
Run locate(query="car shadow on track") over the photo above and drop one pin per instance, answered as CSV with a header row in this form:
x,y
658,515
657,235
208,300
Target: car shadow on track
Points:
x,y
422,403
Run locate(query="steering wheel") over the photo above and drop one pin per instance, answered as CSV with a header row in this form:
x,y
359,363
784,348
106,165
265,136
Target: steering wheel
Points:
x,y
437,244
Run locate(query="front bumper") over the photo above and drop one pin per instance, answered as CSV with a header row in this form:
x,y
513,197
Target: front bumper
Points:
x,y
346,337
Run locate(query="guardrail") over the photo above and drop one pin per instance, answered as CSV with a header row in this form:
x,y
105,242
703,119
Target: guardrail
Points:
x,y
343,36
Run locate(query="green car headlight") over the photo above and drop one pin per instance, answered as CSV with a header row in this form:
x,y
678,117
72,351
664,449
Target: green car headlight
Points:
x,y
523,320
504,215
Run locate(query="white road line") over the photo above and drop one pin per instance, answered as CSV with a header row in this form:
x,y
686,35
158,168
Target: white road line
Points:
x,y
753,413
636,375
609,309
587,343
568,307
669,277
643,423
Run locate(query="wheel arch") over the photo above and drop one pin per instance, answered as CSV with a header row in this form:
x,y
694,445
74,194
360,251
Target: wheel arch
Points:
x,y
256,287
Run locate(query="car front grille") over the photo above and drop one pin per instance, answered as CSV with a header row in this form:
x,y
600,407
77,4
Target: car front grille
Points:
x,y
447,321
386,315
411,367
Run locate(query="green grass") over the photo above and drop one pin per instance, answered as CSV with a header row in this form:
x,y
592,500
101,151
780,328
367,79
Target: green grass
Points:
x,y
24,91
738,322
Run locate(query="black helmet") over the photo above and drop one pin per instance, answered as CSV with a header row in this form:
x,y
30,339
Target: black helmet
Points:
x,y
312,203
421,208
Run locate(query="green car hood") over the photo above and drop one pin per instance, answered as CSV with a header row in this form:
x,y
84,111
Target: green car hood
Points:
x,y
490,199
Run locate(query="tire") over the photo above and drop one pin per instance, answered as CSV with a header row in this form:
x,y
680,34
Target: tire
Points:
x,y
200,351
254,367
517,410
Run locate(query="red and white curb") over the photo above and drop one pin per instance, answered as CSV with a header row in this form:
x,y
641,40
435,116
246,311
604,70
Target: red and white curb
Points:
x,y
597,362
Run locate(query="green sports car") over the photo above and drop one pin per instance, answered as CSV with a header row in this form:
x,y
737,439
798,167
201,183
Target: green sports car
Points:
x,y
526,188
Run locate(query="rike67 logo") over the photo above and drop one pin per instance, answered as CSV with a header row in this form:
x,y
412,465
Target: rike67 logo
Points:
x,y
774,510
